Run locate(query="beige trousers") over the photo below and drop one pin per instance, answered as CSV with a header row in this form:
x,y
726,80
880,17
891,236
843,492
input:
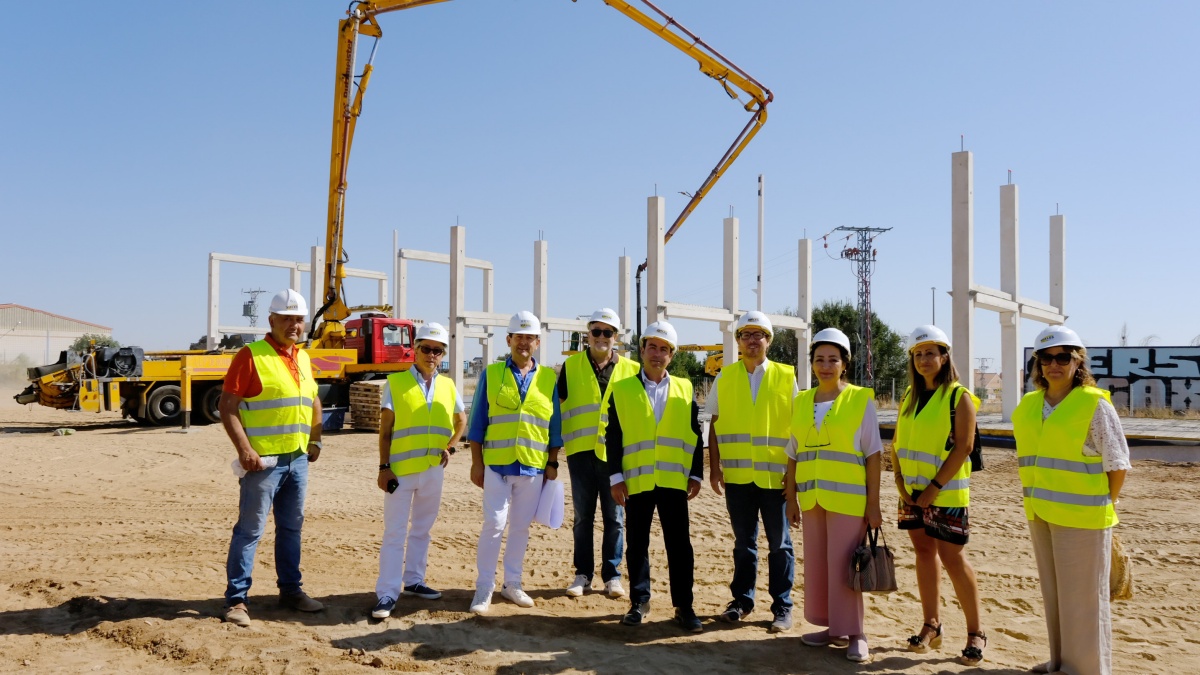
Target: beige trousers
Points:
x,y
1073,566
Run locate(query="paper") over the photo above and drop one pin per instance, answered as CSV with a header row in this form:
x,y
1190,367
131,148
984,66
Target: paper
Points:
x,y
268,462
550,505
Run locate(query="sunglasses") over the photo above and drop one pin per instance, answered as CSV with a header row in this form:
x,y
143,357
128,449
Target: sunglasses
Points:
x,y
436,351
1061,358
597,332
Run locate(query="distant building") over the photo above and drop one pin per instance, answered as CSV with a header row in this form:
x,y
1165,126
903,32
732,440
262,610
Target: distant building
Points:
x,y
988,386
39,335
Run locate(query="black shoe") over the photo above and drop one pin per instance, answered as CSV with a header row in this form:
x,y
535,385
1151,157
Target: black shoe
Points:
x,y
687,620
636,614
733,612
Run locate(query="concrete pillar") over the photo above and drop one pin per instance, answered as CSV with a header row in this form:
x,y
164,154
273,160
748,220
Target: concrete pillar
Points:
x,y
1010,322
804,309
458,275
211,339
399,269
316,282
541,254
731,287
1058,263
656,216
962,255
485,344
624,310
761,206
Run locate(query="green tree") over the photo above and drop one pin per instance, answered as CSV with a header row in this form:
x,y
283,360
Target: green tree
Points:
x,y
686,364
888,356
83,342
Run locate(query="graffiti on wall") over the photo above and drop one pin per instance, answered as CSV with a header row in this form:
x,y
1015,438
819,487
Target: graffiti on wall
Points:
x,y
1143,377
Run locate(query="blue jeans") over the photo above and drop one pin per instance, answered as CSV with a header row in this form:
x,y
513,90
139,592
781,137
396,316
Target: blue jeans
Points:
x,y
589,480
283,488
745,503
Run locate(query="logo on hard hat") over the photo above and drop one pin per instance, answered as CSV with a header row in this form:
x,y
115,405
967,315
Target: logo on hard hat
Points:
x,y
922,336
1047,338
525,324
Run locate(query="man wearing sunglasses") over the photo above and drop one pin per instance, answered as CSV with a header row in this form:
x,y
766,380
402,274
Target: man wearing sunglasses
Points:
x,y
584,391
421,418
515,434
751,407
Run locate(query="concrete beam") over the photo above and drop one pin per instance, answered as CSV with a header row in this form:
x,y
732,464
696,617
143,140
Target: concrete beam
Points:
x,y
441,258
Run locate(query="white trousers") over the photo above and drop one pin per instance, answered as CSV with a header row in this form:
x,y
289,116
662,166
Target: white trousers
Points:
x,y
418,498
512,500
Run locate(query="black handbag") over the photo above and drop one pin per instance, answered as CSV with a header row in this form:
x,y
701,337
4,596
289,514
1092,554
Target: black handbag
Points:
x,y
977,451
873,567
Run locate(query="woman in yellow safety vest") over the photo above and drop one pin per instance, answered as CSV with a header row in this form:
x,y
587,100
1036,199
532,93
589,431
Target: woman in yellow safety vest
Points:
x,y
932,476
832,485
1072,457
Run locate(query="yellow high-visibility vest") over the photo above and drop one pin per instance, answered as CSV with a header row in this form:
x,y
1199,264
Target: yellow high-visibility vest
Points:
x,y
1060,484
420,431
518,431
585,412
280,418
921,446
830,469
752,436
655,454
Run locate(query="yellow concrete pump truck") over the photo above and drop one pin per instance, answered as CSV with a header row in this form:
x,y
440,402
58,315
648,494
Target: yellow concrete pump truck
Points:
x,y
159,388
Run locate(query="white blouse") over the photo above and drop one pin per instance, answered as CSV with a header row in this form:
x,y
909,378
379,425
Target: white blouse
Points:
x,y
1105,437
866,438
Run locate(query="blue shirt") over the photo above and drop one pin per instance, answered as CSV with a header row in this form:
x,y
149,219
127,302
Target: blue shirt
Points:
x,y
477,428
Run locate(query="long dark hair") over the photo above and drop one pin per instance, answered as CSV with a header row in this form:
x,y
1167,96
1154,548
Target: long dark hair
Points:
x,y
947,376
841,350
1083,374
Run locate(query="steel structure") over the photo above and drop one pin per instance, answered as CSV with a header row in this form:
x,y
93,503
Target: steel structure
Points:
x,y
863,256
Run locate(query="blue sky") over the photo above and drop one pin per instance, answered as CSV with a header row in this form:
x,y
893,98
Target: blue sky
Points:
x,y
137,141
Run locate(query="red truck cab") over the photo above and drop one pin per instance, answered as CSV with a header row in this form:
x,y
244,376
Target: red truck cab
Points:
x,y
379,338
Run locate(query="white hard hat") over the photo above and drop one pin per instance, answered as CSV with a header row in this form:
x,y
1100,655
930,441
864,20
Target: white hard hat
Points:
x,y
289,303
754,319
928,333
433,331
606,315
524,323
834,337
1057,336
663,331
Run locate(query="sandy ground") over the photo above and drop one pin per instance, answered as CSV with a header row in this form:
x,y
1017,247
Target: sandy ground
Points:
x,y
113,542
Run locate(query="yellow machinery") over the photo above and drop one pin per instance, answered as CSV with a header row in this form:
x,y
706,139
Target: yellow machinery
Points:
x,y
362,20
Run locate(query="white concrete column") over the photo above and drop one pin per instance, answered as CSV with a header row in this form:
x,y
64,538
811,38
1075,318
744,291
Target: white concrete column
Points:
x,y
962,256
761,206
1058,263
541,254
214,302
399,266
485,343
401,308
383,291
731,287
804,309
316,281
624,307
1010,322
458,277
656,216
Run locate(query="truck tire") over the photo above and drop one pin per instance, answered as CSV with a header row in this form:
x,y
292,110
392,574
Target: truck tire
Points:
x,y
164,405
209,399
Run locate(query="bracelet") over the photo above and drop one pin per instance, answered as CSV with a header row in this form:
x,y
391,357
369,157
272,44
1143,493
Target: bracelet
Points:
x,y
384,466
936,484
552,465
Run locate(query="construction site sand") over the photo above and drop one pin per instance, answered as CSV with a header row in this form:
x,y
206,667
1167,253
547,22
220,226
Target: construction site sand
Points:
x,y
113,543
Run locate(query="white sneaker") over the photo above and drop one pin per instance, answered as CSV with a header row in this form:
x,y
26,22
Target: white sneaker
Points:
x,y
614,589
482,600
518,597
578,586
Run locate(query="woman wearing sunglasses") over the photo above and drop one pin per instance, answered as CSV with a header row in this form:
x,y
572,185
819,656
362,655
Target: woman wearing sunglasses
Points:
x,y
832,485
1072,457
932,476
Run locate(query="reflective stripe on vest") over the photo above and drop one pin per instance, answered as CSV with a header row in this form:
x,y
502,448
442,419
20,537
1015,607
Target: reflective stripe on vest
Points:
x,y
278,420
521,434
420,431
752,435
921,441
1061,485
585,412
655,455
831,470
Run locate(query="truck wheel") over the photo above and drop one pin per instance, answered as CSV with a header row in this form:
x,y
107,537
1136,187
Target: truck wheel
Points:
x,y
164,406
210,402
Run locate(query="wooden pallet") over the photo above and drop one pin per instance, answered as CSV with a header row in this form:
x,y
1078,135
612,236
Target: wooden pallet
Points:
x,y
365,398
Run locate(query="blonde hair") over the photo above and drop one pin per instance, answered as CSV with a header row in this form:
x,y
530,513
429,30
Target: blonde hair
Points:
x,y
945,377
1083,374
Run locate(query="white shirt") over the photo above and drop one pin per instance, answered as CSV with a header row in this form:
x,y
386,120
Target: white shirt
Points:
x,y
1105,437
756,378
866,437
386,403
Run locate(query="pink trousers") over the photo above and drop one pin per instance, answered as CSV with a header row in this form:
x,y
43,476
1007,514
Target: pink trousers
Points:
x,y
829,542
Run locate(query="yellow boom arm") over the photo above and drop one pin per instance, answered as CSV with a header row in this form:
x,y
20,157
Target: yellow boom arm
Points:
x,y
347,106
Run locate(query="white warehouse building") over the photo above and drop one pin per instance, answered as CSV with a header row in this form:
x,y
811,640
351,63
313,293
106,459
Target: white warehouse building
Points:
x,y
39,336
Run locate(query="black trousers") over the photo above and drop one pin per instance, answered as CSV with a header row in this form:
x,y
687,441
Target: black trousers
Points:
x,y
672,508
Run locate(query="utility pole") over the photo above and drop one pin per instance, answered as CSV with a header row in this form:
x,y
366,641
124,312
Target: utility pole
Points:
x,y
863,256
933,305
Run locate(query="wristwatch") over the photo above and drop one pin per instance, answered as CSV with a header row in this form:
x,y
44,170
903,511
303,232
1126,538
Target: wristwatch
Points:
x,y
934,483
552,465
316,443
384,466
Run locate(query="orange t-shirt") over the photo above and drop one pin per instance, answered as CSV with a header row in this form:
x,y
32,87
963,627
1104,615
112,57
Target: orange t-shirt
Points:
x,y
242,378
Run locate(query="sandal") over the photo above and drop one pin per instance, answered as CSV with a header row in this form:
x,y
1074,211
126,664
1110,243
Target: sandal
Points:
x,y
926,640
972,655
